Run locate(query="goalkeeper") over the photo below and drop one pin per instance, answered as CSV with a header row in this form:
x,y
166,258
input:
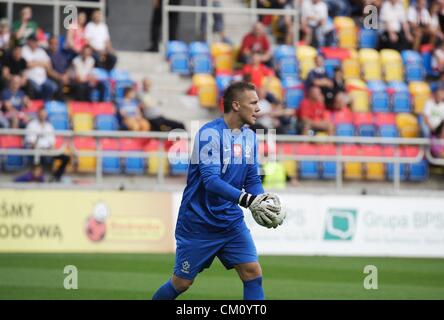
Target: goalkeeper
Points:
x,y
222,175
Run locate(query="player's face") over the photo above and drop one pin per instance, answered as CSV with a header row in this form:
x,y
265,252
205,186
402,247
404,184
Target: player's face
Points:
x,y
249,107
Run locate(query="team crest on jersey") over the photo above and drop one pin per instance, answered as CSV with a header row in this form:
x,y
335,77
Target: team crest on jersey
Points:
x,y
237,150
185,267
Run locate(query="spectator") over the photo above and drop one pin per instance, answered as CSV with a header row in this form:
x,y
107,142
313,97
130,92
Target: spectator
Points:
x,y
58,70
434,22
433,113
438,58
40,135
14,103
419,20
156,23
341,105
317,28
437,144
338,8
97,36
284,24
25,27
218,23
83,79
313,113
5,35
318,77
75,36
255,42
257,72
14,64
130,112
35,175
4,123
38,63
396,32
152,111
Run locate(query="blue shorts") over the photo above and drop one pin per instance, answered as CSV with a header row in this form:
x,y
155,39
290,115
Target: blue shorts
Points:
x,y
195,254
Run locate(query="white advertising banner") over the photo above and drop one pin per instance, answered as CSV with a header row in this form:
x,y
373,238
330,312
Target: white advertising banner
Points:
x,y
353,226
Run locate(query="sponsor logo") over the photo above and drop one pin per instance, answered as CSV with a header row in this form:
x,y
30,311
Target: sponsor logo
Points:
x,y
340,224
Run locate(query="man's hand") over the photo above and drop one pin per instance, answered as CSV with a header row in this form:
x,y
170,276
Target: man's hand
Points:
x,y
265,208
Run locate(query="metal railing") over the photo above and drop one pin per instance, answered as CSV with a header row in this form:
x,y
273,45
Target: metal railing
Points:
x,y
209,9
423,144
56,6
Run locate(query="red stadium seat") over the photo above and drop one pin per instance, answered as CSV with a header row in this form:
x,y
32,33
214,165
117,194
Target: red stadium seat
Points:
x,y
59,141
35,105
306,149
327,150
385,119
130,144
81,107
12,142
103,108
84,143
342,118
409,151
362,118
85,163
110,144
335,53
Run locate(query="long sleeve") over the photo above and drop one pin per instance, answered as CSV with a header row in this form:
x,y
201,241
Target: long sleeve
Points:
x,y
253,183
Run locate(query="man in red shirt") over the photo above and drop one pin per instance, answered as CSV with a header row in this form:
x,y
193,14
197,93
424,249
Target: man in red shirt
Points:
x,y
256,72
255,41
313,113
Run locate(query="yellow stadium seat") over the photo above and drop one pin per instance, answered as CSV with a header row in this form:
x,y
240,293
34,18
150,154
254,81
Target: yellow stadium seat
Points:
x,y
273,85
370,64
392,65
407,125
351,67
83,122
358,92
306,57
353,170
375,171
206,90
223,56
420,92
346,32
154,165
291,167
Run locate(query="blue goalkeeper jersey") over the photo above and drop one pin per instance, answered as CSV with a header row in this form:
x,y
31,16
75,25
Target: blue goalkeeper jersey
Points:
x,y
223,163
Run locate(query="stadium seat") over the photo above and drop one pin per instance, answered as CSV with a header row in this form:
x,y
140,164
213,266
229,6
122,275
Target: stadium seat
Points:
x,y
85,163
56,107
407,124
373,170
80,107
351,66
106,122
328,168
283,51
59,121
274,86
104,108
110,164
352,170
399,96
12,163
345,130
386,124
178,157
307,169
154,161
222,82
34,106
201,64
175,47
206,90
179,63
197,48
294,92
83,122
420,92
222,54
368,38
370,64
288,67
346,32
392,66
364,124
306,59
291,167
389,151
416,171
427,56
342,117
133,165
330,66
379,96
120,86
357,89
414,65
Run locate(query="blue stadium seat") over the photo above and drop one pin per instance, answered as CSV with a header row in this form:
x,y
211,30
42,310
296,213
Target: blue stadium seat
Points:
x,y
294,92
419,171
134,165
366,130
56,107
345,130
308,170
197,48
283,51
330,66
328,170
106,122
178,166
427,62
59,121
222,82
400,98
413,65
202,63
390,171
111,165
14,163
368,38
179,63
379,96
288,67
388,131
119,75
175,47
120,87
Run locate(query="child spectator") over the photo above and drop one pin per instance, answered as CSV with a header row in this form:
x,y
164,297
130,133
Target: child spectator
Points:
x,y
35,175
130,112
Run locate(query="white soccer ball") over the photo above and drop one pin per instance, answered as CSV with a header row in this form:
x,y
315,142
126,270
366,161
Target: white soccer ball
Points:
x,y
101,212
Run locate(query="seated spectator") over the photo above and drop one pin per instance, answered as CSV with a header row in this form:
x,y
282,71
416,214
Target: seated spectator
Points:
x,y
14,103
83,79
41,87
341,105
338,8
437,144
25,27
255,42
58,70
313,113
14,65
4,123
433,111
434,22
5,36
319,77
130,112
420,24
315,24
35,175
40,135
152,112
396,31
256,71
438,58
97,36
75,35
284,24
